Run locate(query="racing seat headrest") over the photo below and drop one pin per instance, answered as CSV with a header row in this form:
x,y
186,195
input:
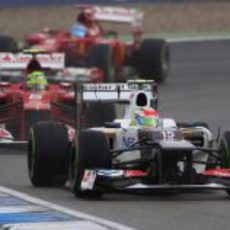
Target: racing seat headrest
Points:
x,y
81,18
141,99
33,65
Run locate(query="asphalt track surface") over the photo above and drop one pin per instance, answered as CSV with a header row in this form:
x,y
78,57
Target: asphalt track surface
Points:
x,y
197,90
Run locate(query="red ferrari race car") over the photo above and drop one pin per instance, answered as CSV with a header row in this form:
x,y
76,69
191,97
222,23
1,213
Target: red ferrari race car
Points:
x,y
35,87
88,44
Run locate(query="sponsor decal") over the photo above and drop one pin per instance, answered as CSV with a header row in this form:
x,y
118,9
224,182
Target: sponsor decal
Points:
x,y
169,135
135,173
218,173
110,172
5,134
35,96
110,87
98,87
128,141
121,172
88,180
20,60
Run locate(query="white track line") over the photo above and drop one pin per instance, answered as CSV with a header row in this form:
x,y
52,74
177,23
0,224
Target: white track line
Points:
x,y
198,39
59,208
70,225
23,208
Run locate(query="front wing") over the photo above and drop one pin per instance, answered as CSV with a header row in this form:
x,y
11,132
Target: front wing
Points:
x,y
111,180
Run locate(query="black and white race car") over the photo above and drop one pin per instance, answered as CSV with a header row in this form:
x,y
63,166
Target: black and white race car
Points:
x,y
122,156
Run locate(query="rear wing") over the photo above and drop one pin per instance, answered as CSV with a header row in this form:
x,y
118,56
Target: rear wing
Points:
x,y
19,61
117,92
112,93
114,14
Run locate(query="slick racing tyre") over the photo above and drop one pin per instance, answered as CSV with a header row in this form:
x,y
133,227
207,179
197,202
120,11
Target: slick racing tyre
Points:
x,y
98,113
93,153
225,152
225,149
47,154
8,44
101,56
154,62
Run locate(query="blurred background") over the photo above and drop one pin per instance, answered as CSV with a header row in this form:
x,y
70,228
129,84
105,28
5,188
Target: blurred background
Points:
x,y
164,18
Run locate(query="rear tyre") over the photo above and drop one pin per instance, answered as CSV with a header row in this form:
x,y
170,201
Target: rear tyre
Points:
x,y
225,152
225,149
8,44
101,56
47,154
154,63
93,153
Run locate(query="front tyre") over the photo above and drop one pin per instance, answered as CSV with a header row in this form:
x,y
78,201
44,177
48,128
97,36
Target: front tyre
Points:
x,y
47,154
225,149
225,152
93,153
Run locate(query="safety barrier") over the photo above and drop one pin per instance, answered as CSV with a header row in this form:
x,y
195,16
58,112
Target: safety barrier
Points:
x,y
16,3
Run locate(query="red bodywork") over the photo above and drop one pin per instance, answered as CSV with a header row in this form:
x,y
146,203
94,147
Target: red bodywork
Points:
x,y
20,107
221,173
78,48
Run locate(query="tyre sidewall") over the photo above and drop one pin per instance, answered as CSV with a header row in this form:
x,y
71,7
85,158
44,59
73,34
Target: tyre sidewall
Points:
x,y
92,153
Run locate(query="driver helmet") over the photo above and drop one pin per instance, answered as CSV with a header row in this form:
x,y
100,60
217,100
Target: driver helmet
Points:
x,y
146,116
37,80
79,31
